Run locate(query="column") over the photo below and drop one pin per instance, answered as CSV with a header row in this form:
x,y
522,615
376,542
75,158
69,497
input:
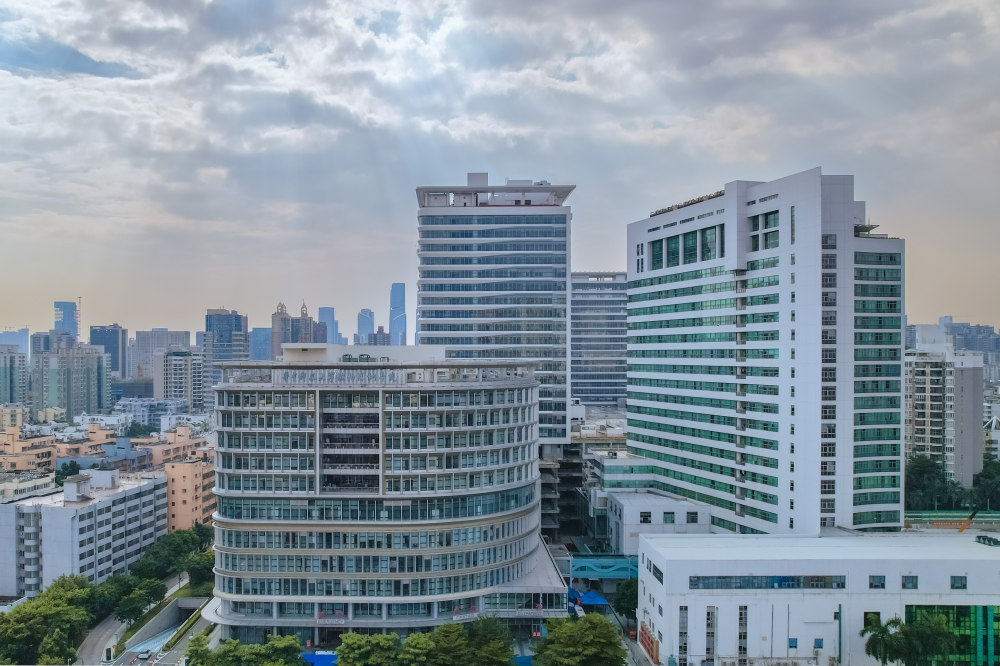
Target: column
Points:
x,y
434,610
385,612
350,611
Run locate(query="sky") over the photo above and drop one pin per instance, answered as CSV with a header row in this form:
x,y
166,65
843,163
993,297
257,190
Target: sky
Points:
x,y
161,157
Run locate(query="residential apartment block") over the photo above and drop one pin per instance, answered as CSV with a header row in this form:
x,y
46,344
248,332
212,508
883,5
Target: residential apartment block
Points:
x,y
147,342
597,337
189,490
178,374
765,357
99,524
14,372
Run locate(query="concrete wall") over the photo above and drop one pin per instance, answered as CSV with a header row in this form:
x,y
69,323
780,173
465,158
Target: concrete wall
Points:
x,y
175,612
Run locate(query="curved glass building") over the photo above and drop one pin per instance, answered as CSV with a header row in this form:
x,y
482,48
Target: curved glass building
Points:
x,y
377,494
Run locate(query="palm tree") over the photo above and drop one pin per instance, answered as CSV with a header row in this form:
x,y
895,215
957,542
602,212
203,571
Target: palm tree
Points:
x,y
883,639
926,639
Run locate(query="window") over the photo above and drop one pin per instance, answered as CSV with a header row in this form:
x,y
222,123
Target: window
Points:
x,y
793,297
829,336
793,231
829,261
829,241
793,642
668,517
770,240
673,251
828,374
691,247
722,241
827,487
828,393
656,250
817,643
829,317
754,223
754,243
959,582
873,618
828,412
692,517
829,355
645,517
708,244
876,582
829,298
771,220
828,430
909,582
656,572
829,280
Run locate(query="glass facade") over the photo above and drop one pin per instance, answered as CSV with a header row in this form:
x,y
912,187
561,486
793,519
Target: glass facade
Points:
x,y
598,337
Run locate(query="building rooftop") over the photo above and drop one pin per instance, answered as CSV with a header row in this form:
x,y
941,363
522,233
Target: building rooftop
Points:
x,y
94,495
630,498
844,545
477,184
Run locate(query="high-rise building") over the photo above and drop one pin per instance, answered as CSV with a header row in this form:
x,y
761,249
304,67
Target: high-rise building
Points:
x,y
366,326
67,318
358,474
286,328
178,373
77,379
379,338
943,408
50,341
397,313
114,339
19,337
493,283
328,317
189,486
53,535
765,355
597,338
260,344
13,375
226,339
147,342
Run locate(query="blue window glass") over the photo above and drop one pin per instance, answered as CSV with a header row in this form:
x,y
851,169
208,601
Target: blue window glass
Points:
x,y
818,643
793,642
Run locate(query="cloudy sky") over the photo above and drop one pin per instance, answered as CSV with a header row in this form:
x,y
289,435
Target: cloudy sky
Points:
x,y
161,157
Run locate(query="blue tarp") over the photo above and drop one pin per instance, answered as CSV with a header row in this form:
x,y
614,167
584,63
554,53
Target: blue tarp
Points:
x,y
593,599
321,659
573,596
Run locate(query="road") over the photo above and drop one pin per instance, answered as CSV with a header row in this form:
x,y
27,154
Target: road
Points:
x,y
174,656
91,652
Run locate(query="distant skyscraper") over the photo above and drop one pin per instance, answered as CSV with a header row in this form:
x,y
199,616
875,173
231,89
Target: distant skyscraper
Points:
x,y
114,339
260,344
67,318
598,337
286,328
20,337
366,326
13,375
226,339
327,316
75,378
397,313
178,373
146,342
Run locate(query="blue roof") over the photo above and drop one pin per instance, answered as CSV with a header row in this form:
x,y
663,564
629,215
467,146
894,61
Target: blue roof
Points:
x,y
321,659
593,599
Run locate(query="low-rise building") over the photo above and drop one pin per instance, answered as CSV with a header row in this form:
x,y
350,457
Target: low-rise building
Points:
x,y
14,487
14,415
28,448
99,524
147,411
173,445
189,490
120,454
796,600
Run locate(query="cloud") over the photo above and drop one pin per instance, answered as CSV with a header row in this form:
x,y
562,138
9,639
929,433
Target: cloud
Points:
x,y
272,149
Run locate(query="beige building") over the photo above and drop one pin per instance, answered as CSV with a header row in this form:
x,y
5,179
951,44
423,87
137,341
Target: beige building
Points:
x,y
189,490
14,487
29,448
174,445
14,415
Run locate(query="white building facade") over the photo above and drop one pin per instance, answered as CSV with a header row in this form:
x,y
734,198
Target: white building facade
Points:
x,y
719,600
97,526
765,353
366,495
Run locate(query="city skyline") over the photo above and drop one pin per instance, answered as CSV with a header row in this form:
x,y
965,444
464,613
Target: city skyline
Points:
x,y
640,108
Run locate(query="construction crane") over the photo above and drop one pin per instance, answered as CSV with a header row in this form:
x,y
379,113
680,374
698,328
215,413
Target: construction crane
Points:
x,y
981,499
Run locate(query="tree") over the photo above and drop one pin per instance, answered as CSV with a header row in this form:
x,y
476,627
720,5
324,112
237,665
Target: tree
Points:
x,y
589,641
883,638
55,649
153,591
197,651
131,607
926,484
450,646
486,629
415,650
494,653
626,599
68,469
283,649
136,429
362,650
204,534
199,567
925,639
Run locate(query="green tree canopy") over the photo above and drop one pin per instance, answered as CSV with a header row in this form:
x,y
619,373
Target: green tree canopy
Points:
x,y
626,599
67,469
486,629
450,646
362,650
199,567
55,649
494,653
278,650
589,641
416,650
130,608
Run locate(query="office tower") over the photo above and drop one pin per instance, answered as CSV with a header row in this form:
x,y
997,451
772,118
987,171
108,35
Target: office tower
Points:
x,y
146,342
397,313
363,466
943,404
379,338
67,318
178,373
285,328
327,316
19,337
76,379
302,327
226,339
597,338
366,326
493,284
319,331
114,339
50,341
130,359
281,329
63,533
260,344
765,356
13,375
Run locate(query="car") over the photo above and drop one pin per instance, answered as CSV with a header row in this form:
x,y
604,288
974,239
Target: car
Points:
x,y
144,655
